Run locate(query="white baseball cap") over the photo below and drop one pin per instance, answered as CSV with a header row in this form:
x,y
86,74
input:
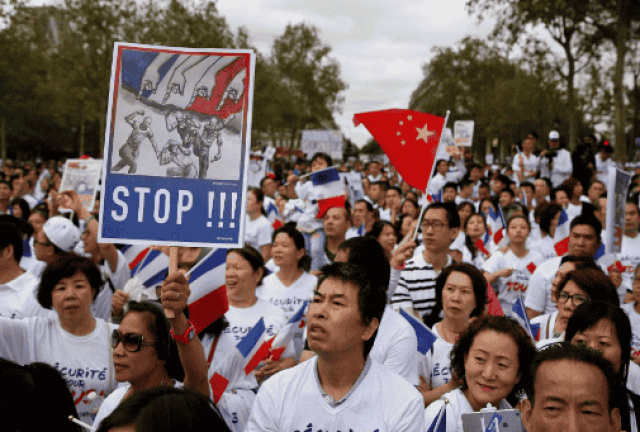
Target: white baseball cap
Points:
x,y
554,135
62,233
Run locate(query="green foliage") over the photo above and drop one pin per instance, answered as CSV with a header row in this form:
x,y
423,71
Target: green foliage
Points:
x,y
475,81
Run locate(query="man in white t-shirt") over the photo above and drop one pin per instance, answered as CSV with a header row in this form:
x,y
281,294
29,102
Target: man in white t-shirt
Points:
x,y
584,240
17,287
58,237
629,255
438,181
557,165
392,204
396,342
603,162
342,388
526,165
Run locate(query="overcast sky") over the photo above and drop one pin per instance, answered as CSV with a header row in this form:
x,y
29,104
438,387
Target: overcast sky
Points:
x,y
381,45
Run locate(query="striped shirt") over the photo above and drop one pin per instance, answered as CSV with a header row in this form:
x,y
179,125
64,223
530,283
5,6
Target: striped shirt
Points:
x,y
417,286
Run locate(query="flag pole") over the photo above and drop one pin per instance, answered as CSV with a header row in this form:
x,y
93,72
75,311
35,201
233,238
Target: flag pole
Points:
x,y
433,168
173,267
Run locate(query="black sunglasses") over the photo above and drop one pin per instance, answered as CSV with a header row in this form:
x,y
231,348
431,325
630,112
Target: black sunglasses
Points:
x,y
132,342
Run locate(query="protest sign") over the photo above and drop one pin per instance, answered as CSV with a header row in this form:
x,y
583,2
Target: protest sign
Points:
x,y
82,176
177,146
318,140
618,182
463,132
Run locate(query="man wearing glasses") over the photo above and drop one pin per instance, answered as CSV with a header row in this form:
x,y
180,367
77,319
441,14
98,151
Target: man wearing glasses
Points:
x,y
416,292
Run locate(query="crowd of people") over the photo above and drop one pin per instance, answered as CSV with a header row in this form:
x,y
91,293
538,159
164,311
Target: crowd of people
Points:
x,y
518,322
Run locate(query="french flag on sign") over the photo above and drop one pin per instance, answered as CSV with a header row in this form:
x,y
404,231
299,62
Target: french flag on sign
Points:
x,y
241,361
208,298
332,192
561,236
426,338
287,332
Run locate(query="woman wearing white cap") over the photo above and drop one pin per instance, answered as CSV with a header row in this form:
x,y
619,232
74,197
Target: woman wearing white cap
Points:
x,y
57,238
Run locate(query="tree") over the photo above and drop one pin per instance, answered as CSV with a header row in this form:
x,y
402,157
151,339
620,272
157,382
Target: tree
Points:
x,y
475,81
308,78
565,23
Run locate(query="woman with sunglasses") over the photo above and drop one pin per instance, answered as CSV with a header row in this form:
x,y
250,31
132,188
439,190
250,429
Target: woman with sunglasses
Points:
x,y
150,351
75,343
577,287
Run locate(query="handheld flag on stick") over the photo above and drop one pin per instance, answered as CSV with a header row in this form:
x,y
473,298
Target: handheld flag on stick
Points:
x,y
409,138
287,332
426,338
248,353
439,424
332,190
208,298
520,315
561,236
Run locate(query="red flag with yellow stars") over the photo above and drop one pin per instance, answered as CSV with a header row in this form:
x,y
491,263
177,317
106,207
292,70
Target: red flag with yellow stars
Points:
x,y
409,138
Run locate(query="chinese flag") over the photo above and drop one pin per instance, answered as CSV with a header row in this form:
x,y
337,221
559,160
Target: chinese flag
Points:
x,y
409,138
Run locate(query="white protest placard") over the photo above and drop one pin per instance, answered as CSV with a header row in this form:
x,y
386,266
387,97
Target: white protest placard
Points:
x,y
618,182
463,132
320,140
177,146
82,176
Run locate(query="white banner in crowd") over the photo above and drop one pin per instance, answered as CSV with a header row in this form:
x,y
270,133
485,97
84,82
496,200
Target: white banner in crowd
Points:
x,y
618,182
82,176
177,146
355,190
318,140
463,132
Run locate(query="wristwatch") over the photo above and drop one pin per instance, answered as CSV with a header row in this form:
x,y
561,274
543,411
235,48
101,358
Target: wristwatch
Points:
x,y
185,338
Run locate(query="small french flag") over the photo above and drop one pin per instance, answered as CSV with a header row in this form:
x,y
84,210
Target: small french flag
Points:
x,y
561,236
426,338
481,244
362,230
134,254
208,298
439,424
241,361
288,331
273,214
332,192
152,268
520,314
497,224
435,197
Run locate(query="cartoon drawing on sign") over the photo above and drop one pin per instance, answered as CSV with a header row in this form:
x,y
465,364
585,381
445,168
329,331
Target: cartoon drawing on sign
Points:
x,y
199,97
129,152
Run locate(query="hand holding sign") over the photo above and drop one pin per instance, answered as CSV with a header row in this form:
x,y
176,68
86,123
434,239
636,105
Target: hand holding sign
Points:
x,y
174,294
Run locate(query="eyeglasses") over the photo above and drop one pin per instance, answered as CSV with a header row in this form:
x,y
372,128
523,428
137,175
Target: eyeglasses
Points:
x,y
435,225
577,299
132,342
36,242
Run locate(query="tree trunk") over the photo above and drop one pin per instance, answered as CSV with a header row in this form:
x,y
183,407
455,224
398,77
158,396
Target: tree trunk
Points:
x,y
571,98
618,88
3,138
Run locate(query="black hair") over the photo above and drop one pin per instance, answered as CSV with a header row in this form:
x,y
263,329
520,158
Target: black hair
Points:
x,y
16,393
569,185
378,227
321,155
260,198
533,134
166,409
413,202
479,285
367,203
304,263
587,219
371,300
51,396
506,181
450,185
253,257
588,314
467,240
10,236
465,182
26,211
518,216
498,324
577,354
8,183
594,283
509,191
450,209
547,214
369,254
159,326
439,161
66,266
395,188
